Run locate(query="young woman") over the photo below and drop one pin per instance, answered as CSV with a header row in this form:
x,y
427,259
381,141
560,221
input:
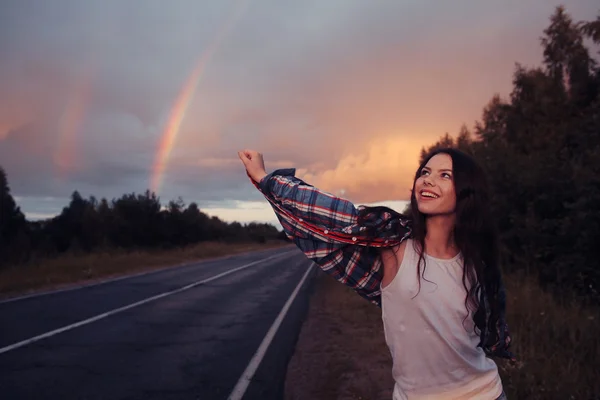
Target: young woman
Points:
x,y
434,272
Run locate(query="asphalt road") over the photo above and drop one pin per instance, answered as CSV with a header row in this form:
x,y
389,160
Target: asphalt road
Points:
x,y
185,333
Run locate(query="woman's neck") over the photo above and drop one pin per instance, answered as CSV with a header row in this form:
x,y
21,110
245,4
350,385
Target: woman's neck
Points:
x,y
439,241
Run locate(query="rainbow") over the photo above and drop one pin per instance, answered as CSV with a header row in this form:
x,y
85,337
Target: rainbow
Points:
x,y
70,124
178,111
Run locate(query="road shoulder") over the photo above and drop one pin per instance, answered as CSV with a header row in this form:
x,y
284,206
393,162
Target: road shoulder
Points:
x,y
341,351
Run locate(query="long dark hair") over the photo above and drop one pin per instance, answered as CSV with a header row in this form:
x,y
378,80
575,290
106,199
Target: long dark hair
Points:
x,y
475,236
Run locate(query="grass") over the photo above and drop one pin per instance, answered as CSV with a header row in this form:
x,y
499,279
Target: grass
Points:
x,y
556,341
67,270
341,352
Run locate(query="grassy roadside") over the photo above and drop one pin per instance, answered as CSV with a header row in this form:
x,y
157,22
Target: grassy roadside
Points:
x,y
67,270
556,341
341,352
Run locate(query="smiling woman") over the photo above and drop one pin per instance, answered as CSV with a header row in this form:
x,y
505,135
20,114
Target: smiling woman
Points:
x,y
443,323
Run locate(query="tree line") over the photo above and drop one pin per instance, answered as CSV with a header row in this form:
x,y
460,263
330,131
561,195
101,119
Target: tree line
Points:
x,y
541,150
133,221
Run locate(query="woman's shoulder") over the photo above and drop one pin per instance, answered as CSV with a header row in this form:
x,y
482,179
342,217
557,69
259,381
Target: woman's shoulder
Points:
x,y
393,256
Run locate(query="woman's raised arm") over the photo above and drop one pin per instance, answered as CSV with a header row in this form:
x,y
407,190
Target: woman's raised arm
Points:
x,y
326,228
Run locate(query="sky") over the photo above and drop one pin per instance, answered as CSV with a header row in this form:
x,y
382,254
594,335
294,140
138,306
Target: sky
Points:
x,y
113,97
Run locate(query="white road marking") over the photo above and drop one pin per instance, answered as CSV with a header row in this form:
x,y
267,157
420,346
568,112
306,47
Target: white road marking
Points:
x,y
240,388
130,306
116,279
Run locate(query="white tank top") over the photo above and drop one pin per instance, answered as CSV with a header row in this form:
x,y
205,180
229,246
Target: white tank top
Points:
x,y
434,355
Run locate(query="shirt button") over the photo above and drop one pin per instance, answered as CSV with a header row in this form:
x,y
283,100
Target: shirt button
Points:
x,y
354,238
300,219
386,241
326,231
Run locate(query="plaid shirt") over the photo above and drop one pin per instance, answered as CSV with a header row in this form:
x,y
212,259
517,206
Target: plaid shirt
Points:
x,y
326,229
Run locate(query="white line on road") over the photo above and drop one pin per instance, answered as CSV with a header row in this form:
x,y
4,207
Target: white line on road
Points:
x,y
240,388
116,279
139,303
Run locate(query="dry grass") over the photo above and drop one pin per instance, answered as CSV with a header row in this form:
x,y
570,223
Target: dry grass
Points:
x,y
558,347
77,269
341,352
557,343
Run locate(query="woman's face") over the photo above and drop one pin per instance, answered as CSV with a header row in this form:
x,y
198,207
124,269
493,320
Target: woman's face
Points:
x,y
434,187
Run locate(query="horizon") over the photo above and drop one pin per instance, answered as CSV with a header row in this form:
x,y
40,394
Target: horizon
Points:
x,y
263,209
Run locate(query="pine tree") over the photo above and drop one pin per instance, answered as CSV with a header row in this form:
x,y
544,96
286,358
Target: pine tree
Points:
x,y
12,223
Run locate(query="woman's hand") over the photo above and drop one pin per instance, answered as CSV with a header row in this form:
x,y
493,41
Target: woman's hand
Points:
x,y
254,163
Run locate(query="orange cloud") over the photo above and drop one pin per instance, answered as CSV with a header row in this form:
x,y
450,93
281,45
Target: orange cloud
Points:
x,y
214,162
382,171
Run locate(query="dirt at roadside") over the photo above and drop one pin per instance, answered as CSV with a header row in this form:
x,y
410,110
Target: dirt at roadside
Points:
x,y
69,270
341,352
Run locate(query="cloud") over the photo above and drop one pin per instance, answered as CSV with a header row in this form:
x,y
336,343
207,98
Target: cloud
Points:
x,y
345,91
383,170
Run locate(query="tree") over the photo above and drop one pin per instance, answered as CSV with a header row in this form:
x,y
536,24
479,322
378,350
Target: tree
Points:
x,y
566,58
540,149
464,140
12,224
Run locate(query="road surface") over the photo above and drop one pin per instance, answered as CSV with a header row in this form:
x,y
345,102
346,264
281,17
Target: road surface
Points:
x,y
217,329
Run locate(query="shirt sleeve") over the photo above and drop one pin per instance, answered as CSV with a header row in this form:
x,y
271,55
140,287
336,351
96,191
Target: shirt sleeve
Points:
x,y
325,228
